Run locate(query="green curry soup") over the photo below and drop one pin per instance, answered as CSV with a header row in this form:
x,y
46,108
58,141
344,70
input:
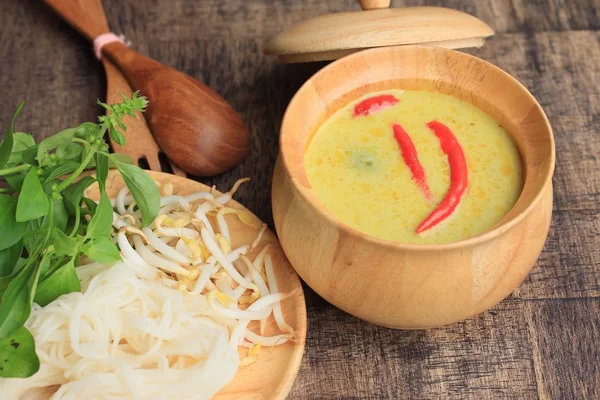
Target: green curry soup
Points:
x,y
379,167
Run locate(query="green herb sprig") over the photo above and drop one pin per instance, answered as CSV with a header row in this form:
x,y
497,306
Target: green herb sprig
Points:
x,y
47,223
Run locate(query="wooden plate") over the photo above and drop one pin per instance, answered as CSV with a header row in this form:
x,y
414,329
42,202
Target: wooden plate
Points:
x,y
272,376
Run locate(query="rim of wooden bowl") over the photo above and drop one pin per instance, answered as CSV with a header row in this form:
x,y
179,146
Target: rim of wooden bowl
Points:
x,y
309,96
283,385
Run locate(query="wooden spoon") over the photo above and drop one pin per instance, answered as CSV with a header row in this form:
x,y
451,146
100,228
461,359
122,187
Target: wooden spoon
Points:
x,y
195,127
331,36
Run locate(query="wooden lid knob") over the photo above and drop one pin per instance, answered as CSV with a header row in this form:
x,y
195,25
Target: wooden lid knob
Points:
x,y
374,4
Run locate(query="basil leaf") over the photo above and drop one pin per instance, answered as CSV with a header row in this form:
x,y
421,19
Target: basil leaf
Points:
x,y
91,206
101,169
41,267
16,301
143,189
54,141
72,195
69,151
17,355
31,241
6,146
59,170
87,129
47,186
21,142
121,157
61,217
80,229
101,223
103,251
9,258
6,280
117,136
63,244
17,308
33,202
29,155
11,231
19,265
64,280
15,181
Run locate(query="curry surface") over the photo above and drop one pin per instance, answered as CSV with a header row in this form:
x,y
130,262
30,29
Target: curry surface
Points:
x,y
356,169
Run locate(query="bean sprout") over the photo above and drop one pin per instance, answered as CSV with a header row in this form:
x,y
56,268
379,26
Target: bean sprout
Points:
x,y
170,316
273,286
120,201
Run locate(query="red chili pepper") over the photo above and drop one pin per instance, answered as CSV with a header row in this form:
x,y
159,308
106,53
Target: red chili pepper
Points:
x,y
373,104
458,176
409,153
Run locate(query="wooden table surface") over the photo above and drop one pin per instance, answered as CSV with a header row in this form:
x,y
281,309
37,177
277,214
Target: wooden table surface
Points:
x,y
541,342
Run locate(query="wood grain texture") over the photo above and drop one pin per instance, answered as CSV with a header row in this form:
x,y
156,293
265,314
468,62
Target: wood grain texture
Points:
x,y
532,345
566,333
471,359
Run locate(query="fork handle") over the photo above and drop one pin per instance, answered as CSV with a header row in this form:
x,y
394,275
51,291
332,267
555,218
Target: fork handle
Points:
x,y
140,142
139,139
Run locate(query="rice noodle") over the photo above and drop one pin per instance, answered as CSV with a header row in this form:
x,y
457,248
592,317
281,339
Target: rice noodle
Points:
x,y
139,365
165,322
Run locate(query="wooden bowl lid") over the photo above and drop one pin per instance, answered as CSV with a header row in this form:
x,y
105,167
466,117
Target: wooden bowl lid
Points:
x,y
331,36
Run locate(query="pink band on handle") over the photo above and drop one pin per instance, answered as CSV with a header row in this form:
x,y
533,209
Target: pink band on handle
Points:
x,y
105,39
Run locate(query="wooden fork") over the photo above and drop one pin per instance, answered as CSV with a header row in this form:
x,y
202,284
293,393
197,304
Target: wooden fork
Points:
x,y
140,143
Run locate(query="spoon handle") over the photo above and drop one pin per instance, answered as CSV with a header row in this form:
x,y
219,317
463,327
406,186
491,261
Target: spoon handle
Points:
x,y
87,16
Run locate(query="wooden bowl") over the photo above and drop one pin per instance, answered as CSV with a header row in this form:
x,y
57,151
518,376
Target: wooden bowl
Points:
x,y
272,376
411,286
